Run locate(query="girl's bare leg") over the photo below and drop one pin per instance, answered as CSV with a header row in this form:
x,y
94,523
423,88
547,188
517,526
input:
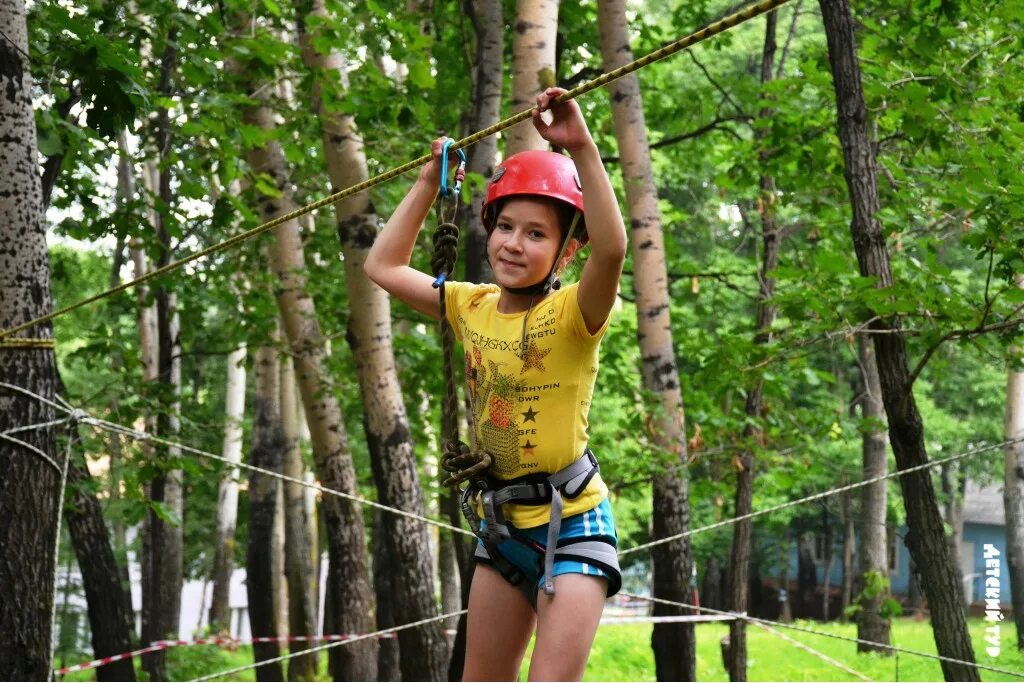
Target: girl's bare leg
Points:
x,y
498,629
566,624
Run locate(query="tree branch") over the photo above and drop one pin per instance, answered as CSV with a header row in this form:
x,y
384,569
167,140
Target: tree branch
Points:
x,y
51,167
964,334
719,88
789,39
716,124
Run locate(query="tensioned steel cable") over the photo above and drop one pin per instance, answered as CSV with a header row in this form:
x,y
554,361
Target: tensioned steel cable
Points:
x,y
754,10
824,494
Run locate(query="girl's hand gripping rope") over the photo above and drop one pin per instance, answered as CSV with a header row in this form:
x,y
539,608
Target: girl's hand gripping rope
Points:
x,y
464,464
567,129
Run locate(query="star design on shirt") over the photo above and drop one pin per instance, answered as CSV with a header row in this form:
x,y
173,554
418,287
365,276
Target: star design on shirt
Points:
x,y
532,357
528,448
530,415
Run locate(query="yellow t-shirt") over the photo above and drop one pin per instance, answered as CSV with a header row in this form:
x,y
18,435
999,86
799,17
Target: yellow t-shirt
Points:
x,y
529,410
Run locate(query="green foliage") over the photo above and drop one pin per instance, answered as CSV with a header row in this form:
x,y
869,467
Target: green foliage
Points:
x,y
943,88
876,585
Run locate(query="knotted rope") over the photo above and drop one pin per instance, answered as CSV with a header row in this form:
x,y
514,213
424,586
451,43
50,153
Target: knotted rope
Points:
x,y
463,463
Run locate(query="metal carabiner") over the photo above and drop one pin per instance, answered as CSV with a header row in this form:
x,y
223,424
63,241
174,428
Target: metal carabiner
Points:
x,y
460,171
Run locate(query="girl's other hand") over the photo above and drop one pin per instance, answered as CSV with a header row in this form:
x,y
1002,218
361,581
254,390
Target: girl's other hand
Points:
x,y
567,129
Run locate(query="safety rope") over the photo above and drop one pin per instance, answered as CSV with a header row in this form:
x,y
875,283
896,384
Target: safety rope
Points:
x,y
375,634
825,634
712,29
6,436
807,648
26,343
459,460
442,265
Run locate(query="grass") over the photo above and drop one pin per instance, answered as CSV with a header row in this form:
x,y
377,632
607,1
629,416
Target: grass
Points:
x,y
623,653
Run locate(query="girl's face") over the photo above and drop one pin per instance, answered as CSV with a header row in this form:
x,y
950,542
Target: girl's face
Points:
x,y
524,243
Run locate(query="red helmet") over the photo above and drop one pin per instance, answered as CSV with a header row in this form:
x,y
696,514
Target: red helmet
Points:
x,y
539,173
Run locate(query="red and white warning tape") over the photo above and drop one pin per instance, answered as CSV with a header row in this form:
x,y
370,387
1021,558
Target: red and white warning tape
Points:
x,y
222,641
229,642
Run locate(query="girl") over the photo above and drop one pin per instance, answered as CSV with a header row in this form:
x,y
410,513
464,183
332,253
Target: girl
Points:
x,y
547,559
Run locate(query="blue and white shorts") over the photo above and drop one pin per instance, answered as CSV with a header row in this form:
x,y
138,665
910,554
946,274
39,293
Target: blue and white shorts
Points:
x,y
527,554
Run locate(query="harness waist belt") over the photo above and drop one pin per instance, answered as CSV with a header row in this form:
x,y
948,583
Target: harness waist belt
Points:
x,y
570,481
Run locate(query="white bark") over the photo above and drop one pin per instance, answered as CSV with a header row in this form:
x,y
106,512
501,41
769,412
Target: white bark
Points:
x,y
873,506
369,336
533,67
344,519
227,495
674,644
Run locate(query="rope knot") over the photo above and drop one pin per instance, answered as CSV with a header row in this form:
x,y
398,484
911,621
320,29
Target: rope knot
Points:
x,y
464,464
446,247
77,415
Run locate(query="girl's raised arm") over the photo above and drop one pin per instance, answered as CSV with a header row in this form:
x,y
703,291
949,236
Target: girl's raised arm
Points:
x,y
599,282
387,264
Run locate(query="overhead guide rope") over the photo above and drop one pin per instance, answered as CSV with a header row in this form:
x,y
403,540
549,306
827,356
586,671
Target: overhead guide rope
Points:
x,y
712,29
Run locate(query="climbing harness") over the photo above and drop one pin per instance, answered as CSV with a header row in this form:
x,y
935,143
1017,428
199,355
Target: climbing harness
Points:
x,y
536,489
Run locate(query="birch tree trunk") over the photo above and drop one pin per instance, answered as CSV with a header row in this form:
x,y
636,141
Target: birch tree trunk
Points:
x,y
533,67
871,626
126,193
111,620
1013,489
488,28
926,538
227,494
162,543
389,656
30,488
674,644
267,447
423,649
299,547
348,575
771,245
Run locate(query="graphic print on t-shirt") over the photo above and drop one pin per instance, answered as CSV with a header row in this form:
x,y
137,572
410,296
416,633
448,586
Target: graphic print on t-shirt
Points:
x,y
493,396
496,397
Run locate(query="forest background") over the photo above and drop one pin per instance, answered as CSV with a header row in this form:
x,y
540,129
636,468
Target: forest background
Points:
x,y
164,129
